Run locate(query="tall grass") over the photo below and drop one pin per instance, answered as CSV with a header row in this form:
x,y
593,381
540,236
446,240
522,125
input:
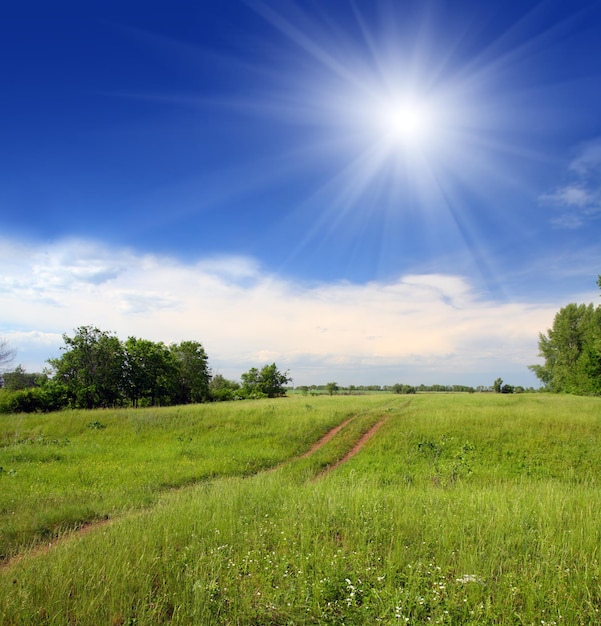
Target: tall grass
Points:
x,y
462,510
59,471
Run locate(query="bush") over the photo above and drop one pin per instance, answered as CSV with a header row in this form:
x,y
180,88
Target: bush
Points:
x,y
221,389
50,397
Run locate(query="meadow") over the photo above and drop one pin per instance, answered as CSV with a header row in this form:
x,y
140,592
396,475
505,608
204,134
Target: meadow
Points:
x,y
461,509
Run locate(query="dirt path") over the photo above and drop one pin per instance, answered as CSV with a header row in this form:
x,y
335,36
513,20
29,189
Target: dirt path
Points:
x,y
356,448
43,548
91,526
325,439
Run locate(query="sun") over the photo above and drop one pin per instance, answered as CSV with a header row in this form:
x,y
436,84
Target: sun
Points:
x,y
404,122
393,123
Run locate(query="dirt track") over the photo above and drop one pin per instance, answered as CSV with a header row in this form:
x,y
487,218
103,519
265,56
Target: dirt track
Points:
x,y
90,526
356,448
327,437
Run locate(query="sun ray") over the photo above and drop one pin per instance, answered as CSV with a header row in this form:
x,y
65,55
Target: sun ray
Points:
x,y
403,122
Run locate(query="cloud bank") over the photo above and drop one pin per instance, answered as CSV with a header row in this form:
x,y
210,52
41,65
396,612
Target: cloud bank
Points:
x,y
418,328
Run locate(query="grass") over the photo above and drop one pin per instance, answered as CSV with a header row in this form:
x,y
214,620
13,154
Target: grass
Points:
x,y
63,470
463,509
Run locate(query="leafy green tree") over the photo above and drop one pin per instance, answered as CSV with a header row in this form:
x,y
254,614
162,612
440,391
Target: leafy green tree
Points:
x,y
497,386
192,372
150,372
267,383
98,370
20,379
332,388
91,368
222,389
572,351
273,382
251,384
406,389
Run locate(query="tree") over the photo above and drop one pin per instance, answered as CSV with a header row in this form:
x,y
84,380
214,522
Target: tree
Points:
x,y
7,354
273,381
269,382
91,368
97,370
19,379
572,351
497,385
150,372
406,389
192,372
221,389
251,384
332,388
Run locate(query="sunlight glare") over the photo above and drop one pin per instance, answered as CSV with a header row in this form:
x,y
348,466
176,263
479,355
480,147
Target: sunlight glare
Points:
x,y
404,123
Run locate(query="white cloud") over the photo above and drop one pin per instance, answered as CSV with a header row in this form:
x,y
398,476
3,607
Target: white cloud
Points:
x,y
138,303
588,160
579,200
418,328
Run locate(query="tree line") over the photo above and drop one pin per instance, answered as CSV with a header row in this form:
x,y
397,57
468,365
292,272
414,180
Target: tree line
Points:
x,y
98,370
333,388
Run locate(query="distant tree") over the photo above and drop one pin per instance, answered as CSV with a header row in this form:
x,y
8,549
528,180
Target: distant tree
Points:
x,y
150,373
192,372
268,382
463,388
221,389
90,370
273,381
497,386
7,354
19,379
332,388
398,388
439,388
251,384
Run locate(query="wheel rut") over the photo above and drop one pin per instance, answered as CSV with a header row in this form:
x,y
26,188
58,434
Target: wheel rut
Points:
x,y
87,527
355,449
326,438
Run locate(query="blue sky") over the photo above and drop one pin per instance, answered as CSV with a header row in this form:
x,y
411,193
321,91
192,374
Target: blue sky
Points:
x,y
366,192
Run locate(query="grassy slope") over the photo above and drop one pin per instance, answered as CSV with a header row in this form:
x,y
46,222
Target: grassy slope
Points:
x,y
62,470
462,510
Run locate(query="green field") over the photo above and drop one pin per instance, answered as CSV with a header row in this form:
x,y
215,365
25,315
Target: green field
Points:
x,y
461,509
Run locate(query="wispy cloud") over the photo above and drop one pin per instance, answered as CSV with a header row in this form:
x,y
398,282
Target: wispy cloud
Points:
x,y
417,328
579,200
